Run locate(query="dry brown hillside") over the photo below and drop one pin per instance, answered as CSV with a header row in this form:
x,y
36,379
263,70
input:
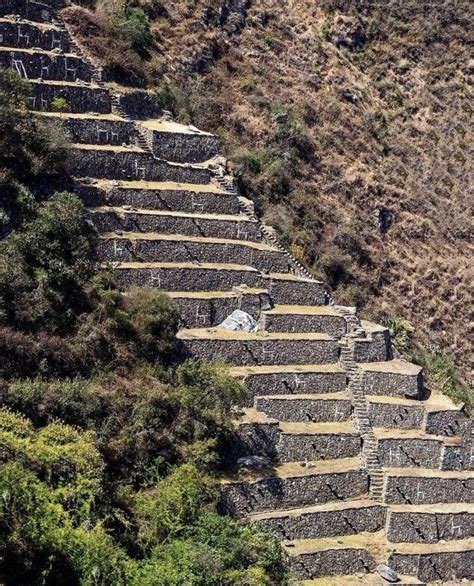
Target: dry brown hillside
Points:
x,y
349,124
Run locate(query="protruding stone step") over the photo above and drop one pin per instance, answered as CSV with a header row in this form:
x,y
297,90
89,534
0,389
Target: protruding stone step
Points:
x,y
425,486
328,520
430,523
154,195
302,318
154,247
100,129
24,35
48,65
293,290
451,562
410,448
203,309
79,97
306,408
393,378
130,163
186,276
177,223
292,379
375,347
292,486
350,554
242,348
177,142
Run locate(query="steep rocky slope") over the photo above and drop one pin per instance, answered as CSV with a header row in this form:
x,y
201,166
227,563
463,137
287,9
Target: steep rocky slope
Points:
x,y
370,184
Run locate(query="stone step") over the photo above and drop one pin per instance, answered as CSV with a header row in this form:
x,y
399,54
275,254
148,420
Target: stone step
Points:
x,y
79,97
333,556
392,378
178,142
246,349
31,10
178,197
375,347
430,523
411,448
209,309
292,485
291,379
150,223
328,520
301,318
153,247
288,289
451,562
25,35
130,163
100,129
294,441
171,276
425,486
47,65
306,408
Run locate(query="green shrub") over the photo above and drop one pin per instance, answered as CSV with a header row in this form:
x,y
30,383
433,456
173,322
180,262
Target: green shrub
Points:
x,y
60,105
442,374
135,26
401,332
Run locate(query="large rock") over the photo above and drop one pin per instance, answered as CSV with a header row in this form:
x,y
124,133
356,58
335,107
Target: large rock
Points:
x,y
239,321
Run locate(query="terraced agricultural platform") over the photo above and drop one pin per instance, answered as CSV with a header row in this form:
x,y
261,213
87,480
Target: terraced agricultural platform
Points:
x,y
359,464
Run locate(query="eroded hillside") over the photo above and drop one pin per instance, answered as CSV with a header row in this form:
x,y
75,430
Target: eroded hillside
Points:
x,y
348,124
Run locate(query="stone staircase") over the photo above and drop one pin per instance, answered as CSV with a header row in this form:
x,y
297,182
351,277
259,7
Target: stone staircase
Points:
x,y
358,464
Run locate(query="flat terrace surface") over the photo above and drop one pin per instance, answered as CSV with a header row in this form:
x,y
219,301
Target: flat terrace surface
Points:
x,y
432,548
120,211
58,82
366,579
374,543
234,294
417,434
430,473
293,469
170,126
130,148
44,26
288,368
161,186
253,415
435,402
324,507
185,265
395,366
38,52
83,116
434,509
290,277
223,334
304,310
154,236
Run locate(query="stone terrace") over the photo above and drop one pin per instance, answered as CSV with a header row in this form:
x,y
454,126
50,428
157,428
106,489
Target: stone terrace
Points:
x,y
359,465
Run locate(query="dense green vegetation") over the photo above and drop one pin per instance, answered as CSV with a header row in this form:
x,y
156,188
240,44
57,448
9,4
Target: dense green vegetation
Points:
x,y
109,445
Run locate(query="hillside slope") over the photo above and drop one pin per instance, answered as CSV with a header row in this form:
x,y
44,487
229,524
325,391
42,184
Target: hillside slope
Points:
x,y
348,124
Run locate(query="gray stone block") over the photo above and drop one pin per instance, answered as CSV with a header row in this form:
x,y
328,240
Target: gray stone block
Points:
x,y
298,447
396,415
410,452
184,147
131,165
124,249
435,566
312,523
305,409
263,351
178,199
394,384
270,493
376,348
48,66
449,423
80,98
332,562
185,279
296,292
99,131
24,35
333,325
429,489
429,527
